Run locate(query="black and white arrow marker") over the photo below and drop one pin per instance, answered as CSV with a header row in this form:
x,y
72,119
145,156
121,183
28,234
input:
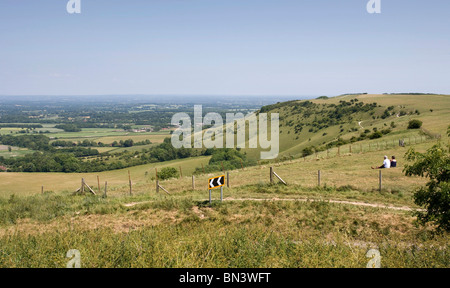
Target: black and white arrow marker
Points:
x,y
217,182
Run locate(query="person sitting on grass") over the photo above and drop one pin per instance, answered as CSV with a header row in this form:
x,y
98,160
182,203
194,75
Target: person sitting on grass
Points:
x,y
386,164
393,162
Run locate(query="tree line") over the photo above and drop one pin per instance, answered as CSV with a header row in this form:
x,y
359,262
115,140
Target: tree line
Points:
x,y
72,159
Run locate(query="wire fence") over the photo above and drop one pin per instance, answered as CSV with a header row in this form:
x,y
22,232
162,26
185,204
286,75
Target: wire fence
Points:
x,y
292,170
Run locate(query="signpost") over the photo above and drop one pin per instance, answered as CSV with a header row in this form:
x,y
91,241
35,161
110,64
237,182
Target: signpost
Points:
x,y
214,183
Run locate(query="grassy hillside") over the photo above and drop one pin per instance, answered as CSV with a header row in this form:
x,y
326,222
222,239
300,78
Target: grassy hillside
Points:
x,y
321,122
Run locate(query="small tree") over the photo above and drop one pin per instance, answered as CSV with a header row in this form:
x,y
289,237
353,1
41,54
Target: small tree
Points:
x,y
435,196
415,124
9,149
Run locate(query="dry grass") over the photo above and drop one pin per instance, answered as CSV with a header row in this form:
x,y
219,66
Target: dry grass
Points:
x,y
231,234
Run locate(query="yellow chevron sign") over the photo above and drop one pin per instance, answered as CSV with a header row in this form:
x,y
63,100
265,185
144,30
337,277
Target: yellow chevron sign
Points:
x,y
216,182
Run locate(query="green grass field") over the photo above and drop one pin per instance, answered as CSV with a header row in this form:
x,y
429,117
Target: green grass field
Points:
x,y
108,136
104,135
15,151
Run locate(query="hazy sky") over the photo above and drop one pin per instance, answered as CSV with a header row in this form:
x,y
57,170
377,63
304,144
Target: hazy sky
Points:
x,y
239,47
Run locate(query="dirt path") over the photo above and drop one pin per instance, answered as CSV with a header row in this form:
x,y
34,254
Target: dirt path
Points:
x,y
354,203
404,208
136,203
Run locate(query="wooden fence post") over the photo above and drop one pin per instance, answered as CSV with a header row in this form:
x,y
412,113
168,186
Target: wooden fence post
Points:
x,y
157,181
181,173
318,178
42,190
82,186
98,183
106,187
193,182
275,174
380,181
271,175
129,180
228,179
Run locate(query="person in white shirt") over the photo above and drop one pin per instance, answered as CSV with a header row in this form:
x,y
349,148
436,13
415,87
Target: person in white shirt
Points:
x,y
386,164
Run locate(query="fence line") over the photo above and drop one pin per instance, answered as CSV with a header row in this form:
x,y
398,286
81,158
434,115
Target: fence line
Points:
x,y
349,149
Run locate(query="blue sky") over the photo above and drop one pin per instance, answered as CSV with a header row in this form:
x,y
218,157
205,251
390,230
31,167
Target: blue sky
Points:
x,y
224,47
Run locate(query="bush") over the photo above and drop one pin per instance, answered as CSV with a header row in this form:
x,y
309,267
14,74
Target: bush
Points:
x,y
415,124
386,131
167,173
376,135
307,151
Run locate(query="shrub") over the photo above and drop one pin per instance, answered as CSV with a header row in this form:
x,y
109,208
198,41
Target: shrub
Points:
x,y
307,151
415,124
167,173
376,135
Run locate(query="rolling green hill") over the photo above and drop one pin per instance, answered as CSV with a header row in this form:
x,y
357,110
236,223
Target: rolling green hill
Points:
x,y
323,123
